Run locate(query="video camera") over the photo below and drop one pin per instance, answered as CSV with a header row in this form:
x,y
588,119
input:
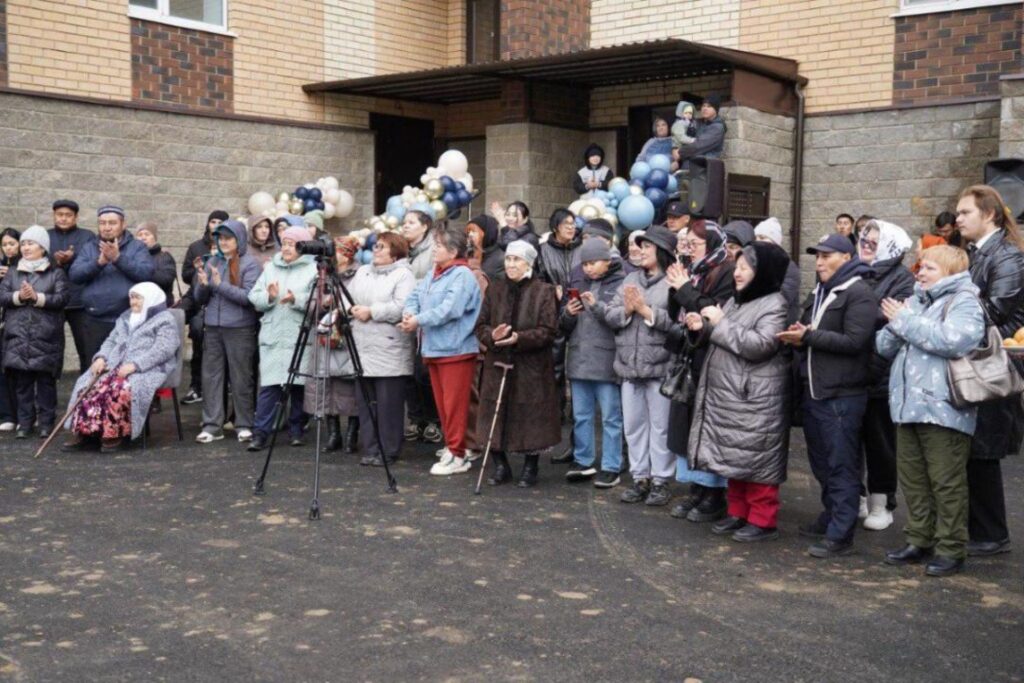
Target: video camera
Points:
x,y
315,248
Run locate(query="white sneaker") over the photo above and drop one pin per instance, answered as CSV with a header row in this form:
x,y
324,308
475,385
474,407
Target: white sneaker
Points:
x,y
879,517
473,455
7,427
244,435
208,437
442,453
863,512
453,466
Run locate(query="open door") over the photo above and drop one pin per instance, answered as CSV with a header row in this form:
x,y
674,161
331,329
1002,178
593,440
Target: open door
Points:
x,y
403,150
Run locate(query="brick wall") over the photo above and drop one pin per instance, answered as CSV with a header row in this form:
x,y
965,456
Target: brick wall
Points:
x,y
844,49
3,42
905,166
70,48
614,22
181,67
955,54
536,29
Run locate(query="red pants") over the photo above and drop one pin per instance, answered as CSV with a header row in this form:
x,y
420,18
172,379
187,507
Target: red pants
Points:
x,y
756,503
451,382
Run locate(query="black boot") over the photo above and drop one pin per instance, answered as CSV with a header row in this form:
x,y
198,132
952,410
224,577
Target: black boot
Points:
x,y
502,470
691,500
352,435
333,433
528,477
711,509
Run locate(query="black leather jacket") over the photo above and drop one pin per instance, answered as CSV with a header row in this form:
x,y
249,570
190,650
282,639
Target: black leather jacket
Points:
x,y
891,280
998,271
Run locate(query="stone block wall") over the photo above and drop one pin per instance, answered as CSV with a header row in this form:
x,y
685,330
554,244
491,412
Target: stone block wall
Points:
x,y
167,167
955,54
537,29
902,165
182,67
1011,118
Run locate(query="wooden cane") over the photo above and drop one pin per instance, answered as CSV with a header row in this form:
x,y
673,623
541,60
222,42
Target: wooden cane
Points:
x,y
60,425
505,367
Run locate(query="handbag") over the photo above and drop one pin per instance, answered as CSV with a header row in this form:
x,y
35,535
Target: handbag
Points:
x,y
679,385
984,374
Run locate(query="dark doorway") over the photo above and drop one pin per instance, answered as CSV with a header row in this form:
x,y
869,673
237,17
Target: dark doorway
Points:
x,y
483,19
641,126
403,151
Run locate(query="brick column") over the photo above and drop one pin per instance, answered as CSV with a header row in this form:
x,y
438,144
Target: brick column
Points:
x,y
3,42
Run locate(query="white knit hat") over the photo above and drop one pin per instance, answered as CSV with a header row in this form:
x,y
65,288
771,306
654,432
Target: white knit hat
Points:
x,y
770,228
37,234
523,250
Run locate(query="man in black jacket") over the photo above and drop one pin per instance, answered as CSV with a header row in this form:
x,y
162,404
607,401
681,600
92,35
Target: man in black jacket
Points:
x,y
196,251
835,336
67,240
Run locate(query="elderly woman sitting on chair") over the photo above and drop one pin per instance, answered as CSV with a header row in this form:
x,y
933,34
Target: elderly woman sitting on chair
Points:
x,y
134,361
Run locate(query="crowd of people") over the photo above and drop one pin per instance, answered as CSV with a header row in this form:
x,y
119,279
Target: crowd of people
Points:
x,y
684,351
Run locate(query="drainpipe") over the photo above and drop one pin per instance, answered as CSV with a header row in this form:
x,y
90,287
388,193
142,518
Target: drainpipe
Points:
x,y
798,175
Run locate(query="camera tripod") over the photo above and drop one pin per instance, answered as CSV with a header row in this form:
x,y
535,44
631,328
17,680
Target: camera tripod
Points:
x,y
328,285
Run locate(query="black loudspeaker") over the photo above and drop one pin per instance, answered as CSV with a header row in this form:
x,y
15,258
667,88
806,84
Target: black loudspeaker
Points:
x,y
1007,177
703,188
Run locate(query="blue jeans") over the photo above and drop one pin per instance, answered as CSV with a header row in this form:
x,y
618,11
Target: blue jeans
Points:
x,y
687,476
586,396
832,431
267,401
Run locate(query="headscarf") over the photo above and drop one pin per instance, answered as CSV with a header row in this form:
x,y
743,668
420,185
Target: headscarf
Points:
x,y
893,241
716,253
770,263
153,301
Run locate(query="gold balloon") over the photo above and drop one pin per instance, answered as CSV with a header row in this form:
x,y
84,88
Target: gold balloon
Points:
x,y
296,206
392,222
421,197
434,188
284,197
589,212
611,218
377,225
439,208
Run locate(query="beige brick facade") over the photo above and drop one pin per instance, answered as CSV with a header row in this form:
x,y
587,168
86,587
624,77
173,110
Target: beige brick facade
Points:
x,y
844,49
609,106
614,22
70,48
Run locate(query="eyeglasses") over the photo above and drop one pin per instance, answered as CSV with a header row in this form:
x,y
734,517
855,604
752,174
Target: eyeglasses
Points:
x,y
868,244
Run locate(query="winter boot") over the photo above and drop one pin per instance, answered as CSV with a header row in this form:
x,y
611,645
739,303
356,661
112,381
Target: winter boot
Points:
x,y
691,500
879,517
711,509
352,435
333,433
528,478
502,470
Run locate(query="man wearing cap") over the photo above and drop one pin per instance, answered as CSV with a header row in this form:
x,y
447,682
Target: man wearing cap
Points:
x,y
67,240
710,133
677,216
107,268
835,336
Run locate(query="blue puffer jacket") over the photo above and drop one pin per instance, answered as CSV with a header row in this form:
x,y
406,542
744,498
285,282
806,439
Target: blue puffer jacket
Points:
x,y
921,339
446,307
228,305
105,290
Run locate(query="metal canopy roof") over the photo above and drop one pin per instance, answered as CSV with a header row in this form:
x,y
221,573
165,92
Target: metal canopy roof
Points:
x,y
633,63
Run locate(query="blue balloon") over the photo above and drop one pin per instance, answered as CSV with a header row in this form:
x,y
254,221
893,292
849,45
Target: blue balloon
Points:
x,y
451,200
673,185
310,205
395,206
636,212
366,256
320,206
459,186
658,179
301,193
315,194
619,188
657,196
660,162
425,208
639,171
464,197
580,222
455,214
448,182
371,240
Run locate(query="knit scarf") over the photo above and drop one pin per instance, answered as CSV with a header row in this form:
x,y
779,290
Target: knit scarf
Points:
x,y
33,266
704,266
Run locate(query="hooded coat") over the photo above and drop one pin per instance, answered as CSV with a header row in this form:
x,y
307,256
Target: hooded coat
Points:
x,y
105,288
745,374
228,305
262,251
591,347
556,261
279,326
529,419
938,324
601,173
34,333
153,348
492,261
640,352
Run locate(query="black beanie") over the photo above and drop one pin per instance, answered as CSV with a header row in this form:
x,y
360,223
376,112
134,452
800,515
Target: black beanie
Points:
x,y
489,224
221,215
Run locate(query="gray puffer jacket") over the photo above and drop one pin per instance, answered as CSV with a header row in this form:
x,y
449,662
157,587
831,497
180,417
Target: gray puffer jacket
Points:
x,y
591,348
740,426
640,352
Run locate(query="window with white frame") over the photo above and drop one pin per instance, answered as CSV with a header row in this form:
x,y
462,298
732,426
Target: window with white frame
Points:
x,y
198,14
930,6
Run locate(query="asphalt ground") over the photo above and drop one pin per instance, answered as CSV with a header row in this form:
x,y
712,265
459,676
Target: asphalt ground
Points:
x,y
161,565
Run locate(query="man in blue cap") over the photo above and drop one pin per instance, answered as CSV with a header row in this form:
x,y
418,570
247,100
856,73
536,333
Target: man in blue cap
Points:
x,y
66,241
106,269
834,337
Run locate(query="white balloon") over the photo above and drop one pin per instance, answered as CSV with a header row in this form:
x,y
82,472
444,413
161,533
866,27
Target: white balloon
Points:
x,y
454,163
330,183
576,206
343,207
331,195
260,202
309,186
597,203
467,180
319,183
433,172
424,178
282,207
329,210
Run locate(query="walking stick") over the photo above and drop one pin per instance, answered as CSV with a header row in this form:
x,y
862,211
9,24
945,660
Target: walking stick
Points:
x,y
505,367
60,425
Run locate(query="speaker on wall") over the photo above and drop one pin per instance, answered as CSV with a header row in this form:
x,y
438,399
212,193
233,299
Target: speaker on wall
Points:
x,y
703,189
1007,177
